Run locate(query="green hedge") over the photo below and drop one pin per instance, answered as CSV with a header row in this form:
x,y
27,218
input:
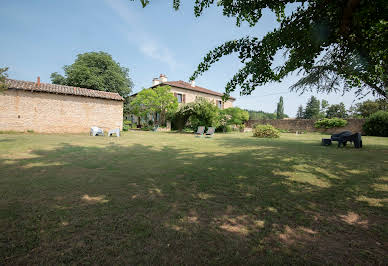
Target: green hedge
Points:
x,y
266,131
330,123
377,124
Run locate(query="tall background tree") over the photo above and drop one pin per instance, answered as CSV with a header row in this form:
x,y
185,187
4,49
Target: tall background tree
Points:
x,y
280,109
337,45
97,71
3,76
258,115
300,112
312,109
336,110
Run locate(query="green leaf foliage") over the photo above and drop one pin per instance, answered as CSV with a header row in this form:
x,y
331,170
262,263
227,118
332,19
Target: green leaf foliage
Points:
x,y
280,109
236,116
300,112
337,45
199,113
266,131
154,100
259,115
330,123
377,124
369,107
312,110
97,71
336,110
3,77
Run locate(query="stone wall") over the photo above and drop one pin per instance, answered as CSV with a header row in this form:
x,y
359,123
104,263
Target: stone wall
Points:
x,y
293,125
57,113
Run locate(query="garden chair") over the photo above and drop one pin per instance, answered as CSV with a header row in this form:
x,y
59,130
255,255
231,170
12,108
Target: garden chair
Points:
x,y
114,131
210,132
96,131
200,131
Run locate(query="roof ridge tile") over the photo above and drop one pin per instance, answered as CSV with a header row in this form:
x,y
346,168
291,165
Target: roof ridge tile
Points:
x,y
62,89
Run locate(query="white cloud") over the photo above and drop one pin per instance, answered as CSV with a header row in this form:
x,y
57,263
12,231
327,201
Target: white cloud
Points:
x,y
146,43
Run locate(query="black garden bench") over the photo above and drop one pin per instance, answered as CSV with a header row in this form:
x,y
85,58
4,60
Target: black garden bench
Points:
x,y
343,138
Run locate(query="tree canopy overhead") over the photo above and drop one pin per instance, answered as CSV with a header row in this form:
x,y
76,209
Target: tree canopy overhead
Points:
x,y
97,71
339,45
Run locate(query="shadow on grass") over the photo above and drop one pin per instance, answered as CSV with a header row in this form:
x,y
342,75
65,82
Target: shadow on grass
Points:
x,y
275,202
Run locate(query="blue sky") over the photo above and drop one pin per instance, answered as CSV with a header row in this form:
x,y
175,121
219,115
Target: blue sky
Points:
x,y
41,36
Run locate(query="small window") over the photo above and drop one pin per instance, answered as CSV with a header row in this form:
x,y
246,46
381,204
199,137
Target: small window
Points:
x,y
219,104
179,97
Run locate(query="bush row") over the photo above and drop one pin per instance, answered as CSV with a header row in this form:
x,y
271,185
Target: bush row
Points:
x,y
330,123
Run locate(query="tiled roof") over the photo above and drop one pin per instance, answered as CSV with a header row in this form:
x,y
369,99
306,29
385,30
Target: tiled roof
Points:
x,y
61,89
187,86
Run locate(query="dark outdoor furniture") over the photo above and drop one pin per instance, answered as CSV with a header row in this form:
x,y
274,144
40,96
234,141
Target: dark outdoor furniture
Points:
x,y
354,138
346,136
339,136
326,142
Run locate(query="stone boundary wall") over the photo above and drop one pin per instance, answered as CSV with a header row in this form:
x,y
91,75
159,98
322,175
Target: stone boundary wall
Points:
x,y
293,125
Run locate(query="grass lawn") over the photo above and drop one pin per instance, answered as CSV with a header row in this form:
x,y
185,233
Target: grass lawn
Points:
x,y
168,198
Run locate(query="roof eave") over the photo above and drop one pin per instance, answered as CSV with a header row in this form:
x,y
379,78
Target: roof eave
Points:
x,y
230,98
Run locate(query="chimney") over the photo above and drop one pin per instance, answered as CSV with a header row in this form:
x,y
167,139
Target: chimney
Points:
x,y
155,82
38,81
163,78
192,83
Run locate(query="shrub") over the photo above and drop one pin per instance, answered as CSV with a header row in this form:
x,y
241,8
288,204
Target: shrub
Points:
x,y
127,122
199,113
224,128
228,128
377,124
242,128
235,115
266,131
330,123
147,128
125,128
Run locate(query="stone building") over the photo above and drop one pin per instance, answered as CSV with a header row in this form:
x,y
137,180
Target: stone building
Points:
x,y
51,108
186,92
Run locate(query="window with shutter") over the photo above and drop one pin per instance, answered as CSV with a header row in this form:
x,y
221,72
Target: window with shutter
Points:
x,y
179,97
